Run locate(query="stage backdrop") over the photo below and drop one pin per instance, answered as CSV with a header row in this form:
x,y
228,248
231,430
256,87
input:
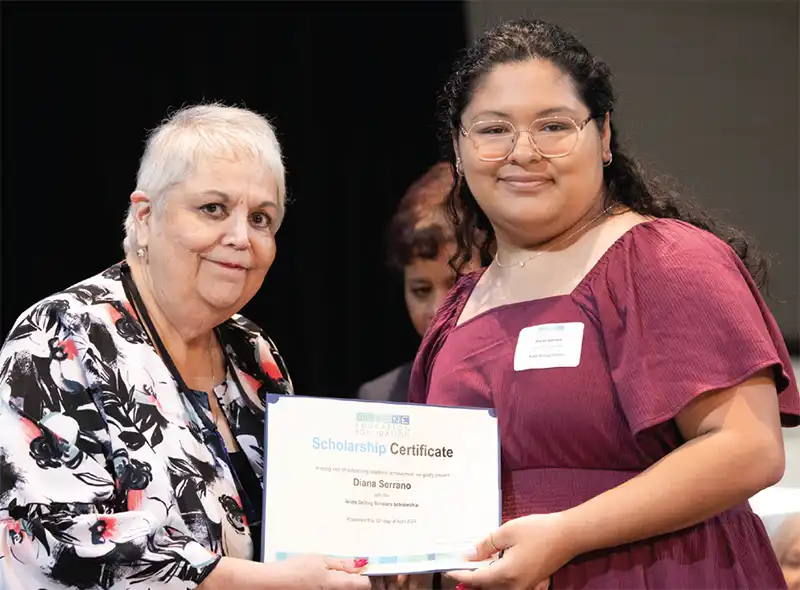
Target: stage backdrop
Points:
x,y
351,89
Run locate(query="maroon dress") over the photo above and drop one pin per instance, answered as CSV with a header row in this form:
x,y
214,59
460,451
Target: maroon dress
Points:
x,y
669,312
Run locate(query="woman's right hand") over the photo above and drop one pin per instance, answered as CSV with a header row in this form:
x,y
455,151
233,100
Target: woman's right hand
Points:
x,y
310,572
313,572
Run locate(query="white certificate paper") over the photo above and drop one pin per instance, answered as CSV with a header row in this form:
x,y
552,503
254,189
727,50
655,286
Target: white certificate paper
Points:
x,y
409,487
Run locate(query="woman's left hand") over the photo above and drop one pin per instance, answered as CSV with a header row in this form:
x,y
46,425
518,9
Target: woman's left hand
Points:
x,y
534,548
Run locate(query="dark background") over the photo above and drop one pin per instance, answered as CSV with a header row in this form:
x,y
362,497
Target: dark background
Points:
x,y
351,89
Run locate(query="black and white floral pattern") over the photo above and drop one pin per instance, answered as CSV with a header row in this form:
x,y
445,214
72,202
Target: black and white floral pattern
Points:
x,y
105,481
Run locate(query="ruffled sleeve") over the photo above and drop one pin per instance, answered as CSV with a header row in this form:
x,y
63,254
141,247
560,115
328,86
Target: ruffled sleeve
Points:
x,y
681,316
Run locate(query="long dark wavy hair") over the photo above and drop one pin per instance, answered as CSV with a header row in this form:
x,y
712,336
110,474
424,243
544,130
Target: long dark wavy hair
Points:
x,y
625,180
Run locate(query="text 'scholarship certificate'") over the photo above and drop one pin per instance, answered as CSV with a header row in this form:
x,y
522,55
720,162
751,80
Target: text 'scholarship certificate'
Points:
x,y
410,487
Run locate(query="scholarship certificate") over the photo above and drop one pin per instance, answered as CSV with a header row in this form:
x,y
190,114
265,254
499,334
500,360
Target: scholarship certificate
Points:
x,y
409,487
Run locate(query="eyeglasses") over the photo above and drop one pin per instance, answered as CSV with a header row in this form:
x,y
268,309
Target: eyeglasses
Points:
x,y
551,137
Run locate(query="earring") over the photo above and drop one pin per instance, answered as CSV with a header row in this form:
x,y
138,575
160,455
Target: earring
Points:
x,y
610,159
459,168
140,253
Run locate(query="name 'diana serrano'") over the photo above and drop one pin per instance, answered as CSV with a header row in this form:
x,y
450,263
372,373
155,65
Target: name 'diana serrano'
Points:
x,y
380,483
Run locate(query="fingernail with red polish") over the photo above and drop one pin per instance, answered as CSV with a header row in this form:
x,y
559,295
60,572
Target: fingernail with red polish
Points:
x,y
461,587
360,562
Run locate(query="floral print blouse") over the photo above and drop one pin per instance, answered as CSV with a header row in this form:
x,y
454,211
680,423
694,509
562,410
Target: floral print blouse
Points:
x,y
105,481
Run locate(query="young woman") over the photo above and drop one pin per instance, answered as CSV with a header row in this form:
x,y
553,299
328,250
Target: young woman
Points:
x,y
639,379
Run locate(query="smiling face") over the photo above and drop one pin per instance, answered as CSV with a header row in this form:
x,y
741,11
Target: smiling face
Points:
x,y
527,197
211,246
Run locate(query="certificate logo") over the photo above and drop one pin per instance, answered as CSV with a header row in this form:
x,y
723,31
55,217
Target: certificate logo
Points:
x,y
388,425
383,418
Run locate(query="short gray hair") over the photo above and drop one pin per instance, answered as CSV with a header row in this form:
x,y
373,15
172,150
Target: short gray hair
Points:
x,y
174,148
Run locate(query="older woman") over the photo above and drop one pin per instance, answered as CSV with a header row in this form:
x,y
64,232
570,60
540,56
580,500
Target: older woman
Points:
x,y
420,245
132,403
638,376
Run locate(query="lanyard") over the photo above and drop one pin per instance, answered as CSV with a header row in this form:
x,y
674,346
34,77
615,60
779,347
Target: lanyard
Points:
x,y
210,434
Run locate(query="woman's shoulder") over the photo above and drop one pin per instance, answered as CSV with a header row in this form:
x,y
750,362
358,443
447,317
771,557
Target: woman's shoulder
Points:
x,y
243,327
667,241
71,305
444,320
239,328
457,296
659,267
255,354
661,250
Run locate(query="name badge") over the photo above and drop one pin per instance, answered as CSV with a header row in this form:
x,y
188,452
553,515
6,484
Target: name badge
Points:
x,y
548,346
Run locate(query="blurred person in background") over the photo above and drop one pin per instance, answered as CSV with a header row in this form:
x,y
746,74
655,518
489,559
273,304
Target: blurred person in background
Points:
x,y
420,246
132,403
786,543
639,378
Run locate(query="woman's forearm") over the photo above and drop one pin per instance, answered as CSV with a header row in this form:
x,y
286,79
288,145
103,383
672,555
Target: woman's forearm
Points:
x,y
231,573
225,574
703,477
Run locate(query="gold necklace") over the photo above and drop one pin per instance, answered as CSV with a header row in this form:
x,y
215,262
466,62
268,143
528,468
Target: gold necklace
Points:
x,y
553,245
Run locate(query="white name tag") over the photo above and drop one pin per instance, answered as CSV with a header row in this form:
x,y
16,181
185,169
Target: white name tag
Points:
x,y
548,346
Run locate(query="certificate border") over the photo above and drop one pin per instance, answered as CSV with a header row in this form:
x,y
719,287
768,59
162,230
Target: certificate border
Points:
x,y
274,398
